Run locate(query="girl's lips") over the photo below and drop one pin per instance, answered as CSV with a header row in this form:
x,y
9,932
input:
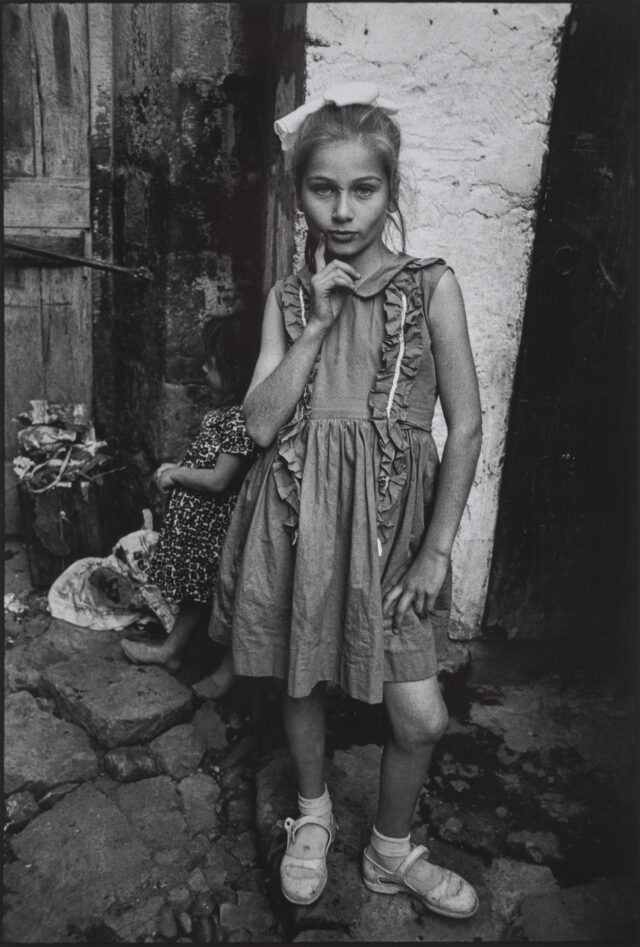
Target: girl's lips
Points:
x,y
342,234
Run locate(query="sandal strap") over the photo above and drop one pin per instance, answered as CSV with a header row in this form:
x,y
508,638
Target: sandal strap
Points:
x,y
411,858
292,825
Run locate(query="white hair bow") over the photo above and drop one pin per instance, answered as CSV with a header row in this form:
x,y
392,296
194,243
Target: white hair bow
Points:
x,y
343,93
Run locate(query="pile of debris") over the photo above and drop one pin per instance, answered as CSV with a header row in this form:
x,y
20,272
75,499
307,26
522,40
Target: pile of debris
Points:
x,y
59,448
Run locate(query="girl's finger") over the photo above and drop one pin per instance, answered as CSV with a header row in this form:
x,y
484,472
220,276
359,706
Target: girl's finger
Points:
x,y
318,256
421,605
405,601
345,267
392,596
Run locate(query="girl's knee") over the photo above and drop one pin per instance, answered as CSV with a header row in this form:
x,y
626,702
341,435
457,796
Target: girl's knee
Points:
x,y
424,731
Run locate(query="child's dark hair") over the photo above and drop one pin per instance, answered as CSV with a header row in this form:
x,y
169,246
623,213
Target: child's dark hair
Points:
x,y
230,341
374,127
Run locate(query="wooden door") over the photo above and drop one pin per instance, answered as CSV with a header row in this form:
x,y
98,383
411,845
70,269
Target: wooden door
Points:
x,y
46,93
565,553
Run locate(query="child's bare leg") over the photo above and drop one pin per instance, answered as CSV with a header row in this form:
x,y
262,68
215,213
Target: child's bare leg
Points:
x,y
418,719
305,728
168,653
218,683
390,864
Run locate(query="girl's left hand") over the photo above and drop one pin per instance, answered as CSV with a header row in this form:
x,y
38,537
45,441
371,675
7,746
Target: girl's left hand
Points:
x,y
418,585
165,476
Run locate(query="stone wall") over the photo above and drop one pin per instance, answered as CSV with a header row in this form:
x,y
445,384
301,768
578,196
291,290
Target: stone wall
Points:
x,y
476,82
191,109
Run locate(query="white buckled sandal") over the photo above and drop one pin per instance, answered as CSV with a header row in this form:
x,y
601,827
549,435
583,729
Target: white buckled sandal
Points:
x,y
303,879
452,896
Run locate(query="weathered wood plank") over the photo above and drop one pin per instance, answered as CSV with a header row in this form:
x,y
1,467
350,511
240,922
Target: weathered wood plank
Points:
x,y
66,331
24,371
61,54
100,16
45,203
17,91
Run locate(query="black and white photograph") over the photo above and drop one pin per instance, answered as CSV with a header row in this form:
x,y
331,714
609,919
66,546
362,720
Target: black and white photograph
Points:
x,y
321,472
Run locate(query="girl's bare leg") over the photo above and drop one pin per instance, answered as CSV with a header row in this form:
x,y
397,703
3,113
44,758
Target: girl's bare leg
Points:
x,y
418,719
305,728
168,653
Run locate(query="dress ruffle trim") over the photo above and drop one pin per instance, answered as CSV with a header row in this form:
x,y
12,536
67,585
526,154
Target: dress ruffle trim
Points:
x,y
402,351
291,448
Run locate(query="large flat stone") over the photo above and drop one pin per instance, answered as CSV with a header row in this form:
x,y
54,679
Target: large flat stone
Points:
x,y
118,703
42,751
152,806
75,862
58,641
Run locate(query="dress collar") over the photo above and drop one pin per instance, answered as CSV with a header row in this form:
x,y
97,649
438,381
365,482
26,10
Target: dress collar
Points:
x,y
374,282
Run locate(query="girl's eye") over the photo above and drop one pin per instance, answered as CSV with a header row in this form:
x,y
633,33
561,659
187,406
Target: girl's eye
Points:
x,y
322,190
364,190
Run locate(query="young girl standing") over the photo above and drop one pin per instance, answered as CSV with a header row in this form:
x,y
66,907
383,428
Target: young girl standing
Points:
x,y
204,489
338,552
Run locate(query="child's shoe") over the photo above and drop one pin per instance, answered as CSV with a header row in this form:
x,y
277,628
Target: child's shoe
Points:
x,y
452,896
303,879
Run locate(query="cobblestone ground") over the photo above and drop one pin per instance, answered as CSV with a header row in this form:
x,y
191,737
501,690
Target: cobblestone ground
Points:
x,y
137,813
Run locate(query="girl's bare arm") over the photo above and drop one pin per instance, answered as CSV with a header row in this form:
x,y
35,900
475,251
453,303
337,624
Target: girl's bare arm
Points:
x,y
215,480
459,396
281,374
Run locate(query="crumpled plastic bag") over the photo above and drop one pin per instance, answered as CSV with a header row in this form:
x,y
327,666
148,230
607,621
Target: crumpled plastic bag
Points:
x,y
113,592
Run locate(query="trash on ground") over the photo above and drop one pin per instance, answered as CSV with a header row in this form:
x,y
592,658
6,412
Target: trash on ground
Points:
x,y
113,592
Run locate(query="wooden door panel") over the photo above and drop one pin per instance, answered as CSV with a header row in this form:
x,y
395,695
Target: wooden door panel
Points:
x,y
48,330
66,335
59,33
17,91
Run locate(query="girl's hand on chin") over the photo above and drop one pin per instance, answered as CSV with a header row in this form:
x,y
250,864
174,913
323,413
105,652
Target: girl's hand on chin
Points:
x,y
330,285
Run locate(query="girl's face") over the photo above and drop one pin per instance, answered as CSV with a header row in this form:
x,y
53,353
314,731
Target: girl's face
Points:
x,y
213,376
345,195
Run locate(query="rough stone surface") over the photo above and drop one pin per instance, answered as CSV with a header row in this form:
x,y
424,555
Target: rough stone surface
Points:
x,y
200,794
137,923
118,703
20,808
208,723
73,863
42,751
49,800
475,119
252,912
540,847
509,882
605,911
130,763
179,750
152,806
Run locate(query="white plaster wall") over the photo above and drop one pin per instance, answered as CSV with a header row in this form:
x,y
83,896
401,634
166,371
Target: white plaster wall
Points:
x,y
476,83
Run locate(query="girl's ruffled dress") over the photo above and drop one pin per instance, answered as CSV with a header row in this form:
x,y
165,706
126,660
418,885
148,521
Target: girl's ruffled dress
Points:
x,y
331,512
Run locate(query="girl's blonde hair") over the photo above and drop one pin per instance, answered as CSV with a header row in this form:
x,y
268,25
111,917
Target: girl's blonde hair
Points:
x,y
333,123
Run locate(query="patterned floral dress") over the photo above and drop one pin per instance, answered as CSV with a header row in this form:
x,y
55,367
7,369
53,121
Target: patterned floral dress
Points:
x,y
342,500
195,525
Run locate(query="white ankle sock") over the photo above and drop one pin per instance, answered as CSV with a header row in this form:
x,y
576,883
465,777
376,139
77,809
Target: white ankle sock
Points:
x,y
320,806
392,851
